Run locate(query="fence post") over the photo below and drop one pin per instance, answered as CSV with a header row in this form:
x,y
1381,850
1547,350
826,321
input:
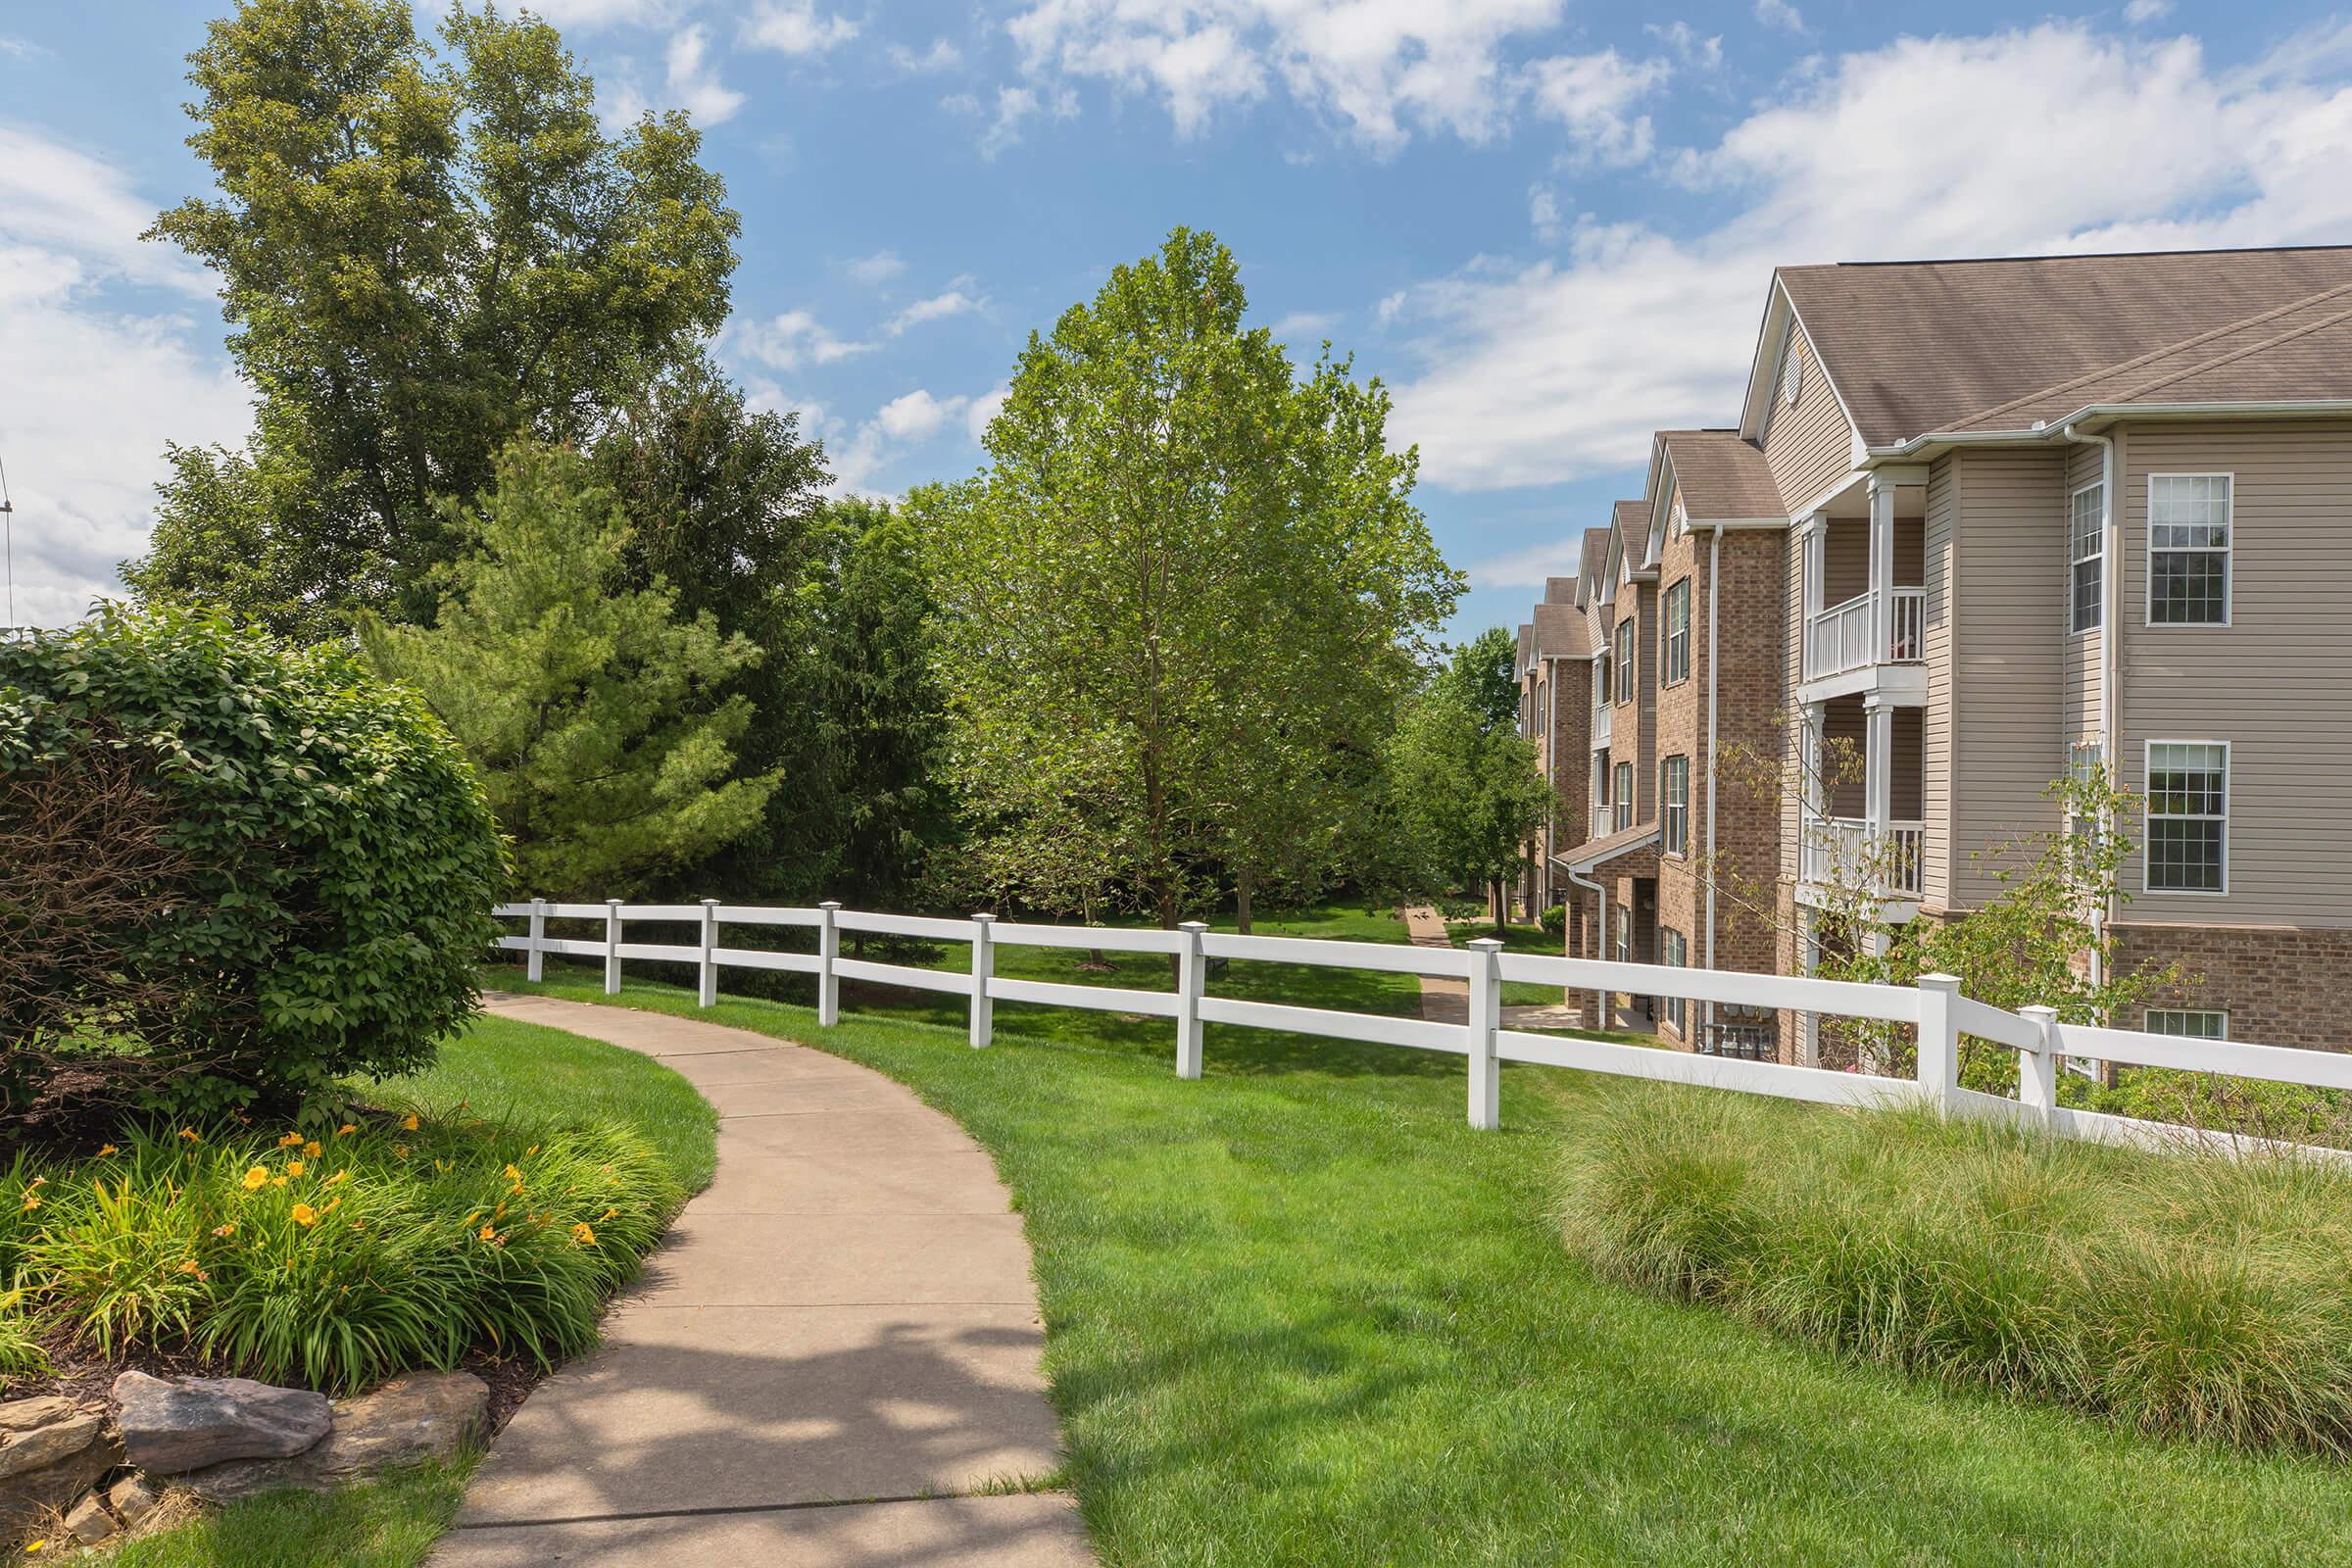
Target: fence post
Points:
x,y
984,964
1938,1041
1485,1017
828,949
1192,968
709,975
611,946
2037,1069
535,967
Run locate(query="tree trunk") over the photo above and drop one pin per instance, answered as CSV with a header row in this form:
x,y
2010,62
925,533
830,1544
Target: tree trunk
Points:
x,y
1501,908
1241,881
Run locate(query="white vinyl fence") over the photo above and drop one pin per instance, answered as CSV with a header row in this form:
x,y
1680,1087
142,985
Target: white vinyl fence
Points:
x,y
1934,1008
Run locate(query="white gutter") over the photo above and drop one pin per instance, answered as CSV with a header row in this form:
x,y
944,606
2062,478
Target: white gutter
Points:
x,y
1576,870
2044,431
2111,664
1714,673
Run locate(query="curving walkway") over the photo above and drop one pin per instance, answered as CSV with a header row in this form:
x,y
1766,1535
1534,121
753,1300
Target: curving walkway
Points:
x,y
831,1361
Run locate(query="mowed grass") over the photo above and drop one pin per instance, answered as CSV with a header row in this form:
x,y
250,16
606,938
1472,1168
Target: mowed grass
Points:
x,y
1298,1314
502,1070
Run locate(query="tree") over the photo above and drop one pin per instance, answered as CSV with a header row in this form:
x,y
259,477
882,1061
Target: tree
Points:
x,y
1483,675
229,870
591,711
424,255
1466,794
1177,609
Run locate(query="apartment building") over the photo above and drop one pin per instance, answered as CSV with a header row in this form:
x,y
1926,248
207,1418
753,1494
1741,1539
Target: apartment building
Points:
x,y
1555,672
2020,516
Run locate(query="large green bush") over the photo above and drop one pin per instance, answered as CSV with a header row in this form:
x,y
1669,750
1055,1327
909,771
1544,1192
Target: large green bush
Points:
x,y
2181,1293
230,870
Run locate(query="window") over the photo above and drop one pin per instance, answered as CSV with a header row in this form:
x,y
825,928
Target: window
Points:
x,y
1601,676
1625,660
1678,632
1624,935
2189,549
2083,765
1624,790
1793,376
1674,951
1674,790
2189,817
2088,550
2197,1023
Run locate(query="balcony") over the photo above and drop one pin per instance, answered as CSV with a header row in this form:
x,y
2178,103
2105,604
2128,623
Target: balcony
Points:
x,y
1839,852
1839,638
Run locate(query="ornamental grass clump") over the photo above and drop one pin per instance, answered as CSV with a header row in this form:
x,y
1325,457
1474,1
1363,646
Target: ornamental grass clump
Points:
x,y
2177,1294
336,1259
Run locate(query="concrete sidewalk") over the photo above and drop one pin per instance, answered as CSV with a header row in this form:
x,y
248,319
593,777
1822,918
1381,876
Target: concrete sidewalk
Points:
x,y
831,1360
1445,1000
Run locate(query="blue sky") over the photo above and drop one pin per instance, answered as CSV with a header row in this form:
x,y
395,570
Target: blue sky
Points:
x,y
1548,228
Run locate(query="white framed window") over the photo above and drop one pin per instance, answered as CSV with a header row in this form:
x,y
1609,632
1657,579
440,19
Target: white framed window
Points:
x,y
2082,764
1792,375
1674,797
2196,1023
1674,951
1625,660
2189,549
2187,847
1604,676
2086,553
1622,786
1625,934
1678,632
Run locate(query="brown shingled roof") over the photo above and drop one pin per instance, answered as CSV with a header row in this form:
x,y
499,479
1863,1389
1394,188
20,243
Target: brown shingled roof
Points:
x,y
1723,477
1562,632
1631,519
1559,590
1915,347
1595,558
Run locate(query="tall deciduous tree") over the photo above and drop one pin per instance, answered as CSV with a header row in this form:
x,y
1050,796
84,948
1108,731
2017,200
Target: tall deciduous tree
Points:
x,y
1178,609
1483,675
589,708
1466,794
424,255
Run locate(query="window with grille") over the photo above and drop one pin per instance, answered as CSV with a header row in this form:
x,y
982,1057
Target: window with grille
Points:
x,y
1625,934
2189,549
2189,817
1674,951
1624,787
1678,632
1603,675
1674,794
2197,1023
2088,550
2084,766
1625,660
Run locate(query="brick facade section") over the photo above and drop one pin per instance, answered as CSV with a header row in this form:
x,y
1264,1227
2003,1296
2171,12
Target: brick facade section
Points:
x,y
2280,985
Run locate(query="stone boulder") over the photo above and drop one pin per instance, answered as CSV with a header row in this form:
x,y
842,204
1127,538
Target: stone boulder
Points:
x,y
170,1425
51,1451
425,1416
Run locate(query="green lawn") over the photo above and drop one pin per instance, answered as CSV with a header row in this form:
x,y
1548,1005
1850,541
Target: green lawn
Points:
x,y
1298,1314
497,1065
1515,939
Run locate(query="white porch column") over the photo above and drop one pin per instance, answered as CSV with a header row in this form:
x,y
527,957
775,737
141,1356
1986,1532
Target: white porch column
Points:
x,y
1882,567
1812,548
1808,959
1877,769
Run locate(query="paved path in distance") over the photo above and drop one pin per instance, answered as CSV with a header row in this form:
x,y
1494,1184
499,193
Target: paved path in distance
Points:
x,y
831,1361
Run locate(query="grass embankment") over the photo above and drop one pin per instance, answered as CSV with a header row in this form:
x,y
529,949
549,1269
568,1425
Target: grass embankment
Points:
x,y
497,1091
2177,1296
1298,1314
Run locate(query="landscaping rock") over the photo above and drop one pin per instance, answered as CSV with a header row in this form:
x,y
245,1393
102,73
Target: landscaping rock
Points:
x,y
88,1522
173,1424
132,1499
51,1451
425,1416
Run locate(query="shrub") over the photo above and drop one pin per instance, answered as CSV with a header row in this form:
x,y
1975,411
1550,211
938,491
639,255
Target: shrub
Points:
x,y
281,870
2174,1293
339,1260
1555,921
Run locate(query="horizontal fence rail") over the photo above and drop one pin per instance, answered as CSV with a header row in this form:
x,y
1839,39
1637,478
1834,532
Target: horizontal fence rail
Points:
x,y
1934,1011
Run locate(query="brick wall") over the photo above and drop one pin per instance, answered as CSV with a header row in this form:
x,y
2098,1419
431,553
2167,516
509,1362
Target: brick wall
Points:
x,y
2280,985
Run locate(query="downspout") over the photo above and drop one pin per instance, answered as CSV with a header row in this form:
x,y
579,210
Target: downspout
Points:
x,y
2111,576
1600,897
1714,680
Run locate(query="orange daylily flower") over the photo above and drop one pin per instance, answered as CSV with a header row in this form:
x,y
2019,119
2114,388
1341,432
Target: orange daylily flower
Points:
x,y
304,1215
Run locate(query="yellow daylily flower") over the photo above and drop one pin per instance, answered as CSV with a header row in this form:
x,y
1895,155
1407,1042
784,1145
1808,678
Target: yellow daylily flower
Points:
x,y
581,1234
294,1167
304,1215
189,1133
408,1123
313,1149
108,1150
291,1141
347,1129
255,1179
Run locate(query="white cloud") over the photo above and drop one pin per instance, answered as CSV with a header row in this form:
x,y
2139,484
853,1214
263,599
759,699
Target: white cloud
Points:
x,y
876,270
793,27
1381,67
2140,11
789,341
940,56
1594,96
956,301
20,48
1012,109
1780,13
694,84
983,410
917,415
1560,370
1306,328
59,198
1544,213
1529,567
1700,51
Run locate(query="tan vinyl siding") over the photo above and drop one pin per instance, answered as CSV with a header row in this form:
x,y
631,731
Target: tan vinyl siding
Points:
x,y
2274,683
1845,561
1941,715
1906,784
1845,734
1808,445
2081,670
2006,667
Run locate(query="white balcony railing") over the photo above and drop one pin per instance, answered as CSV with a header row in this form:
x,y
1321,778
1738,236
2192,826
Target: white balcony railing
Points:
x,y
1839,852
1838,638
